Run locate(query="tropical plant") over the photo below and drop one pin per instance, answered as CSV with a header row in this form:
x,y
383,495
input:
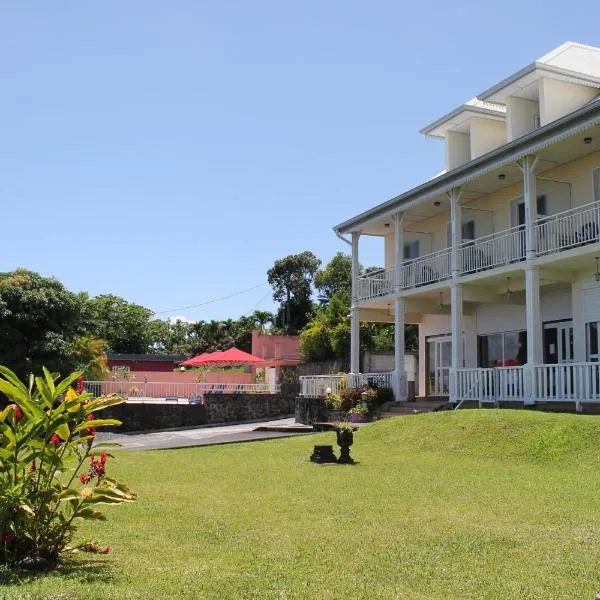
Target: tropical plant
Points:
x,y
52,473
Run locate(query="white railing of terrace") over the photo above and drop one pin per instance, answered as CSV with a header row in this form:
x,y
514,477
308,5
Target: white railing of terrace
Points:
x,y
377,284
476,385
492,250
318,386
568,229
134,391
511,383
429,268
571,382
380,380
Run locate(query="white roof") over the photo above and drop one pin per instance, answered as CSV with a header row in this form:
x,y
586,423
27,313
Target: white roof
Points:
x,y
571,61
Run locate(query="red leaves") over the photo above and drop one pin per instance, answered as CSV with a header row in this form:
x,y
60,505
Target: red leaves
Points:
x,y
18,412
84,478
55,439
79,385
90,431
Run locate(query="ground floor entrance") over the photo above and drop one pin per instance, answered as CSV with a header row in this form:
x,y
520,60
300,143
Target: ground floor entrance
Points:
x,y
439,360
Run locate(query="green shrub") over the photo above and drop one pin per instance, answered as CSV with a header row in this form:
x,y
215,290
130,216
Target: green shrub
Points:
x,y
50,472
349,397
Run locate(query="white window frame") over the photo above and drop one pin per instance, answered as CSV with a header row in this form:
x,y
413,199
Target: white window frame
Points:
x,y
596,184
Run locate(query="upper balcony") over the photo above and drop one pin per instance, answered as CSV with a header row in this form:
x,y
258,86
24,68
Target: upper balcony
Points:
x,y
574,228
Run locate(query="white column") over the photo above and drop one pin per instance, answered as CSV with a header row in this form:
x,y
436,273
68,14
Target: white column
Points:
x,y
456,293
456,228
579,347
456,321
533,313
530,200
401,388
354,314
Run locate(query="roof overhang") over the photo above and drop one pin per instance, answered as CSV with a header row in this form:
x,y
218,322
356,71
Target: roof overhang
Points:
x,y
459,118
533,142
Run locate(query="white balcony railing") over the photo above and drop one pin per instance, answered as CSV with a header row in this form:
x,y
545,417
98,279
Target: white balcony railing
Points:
x,y
492,250
377,284
568,229
426,269
476,385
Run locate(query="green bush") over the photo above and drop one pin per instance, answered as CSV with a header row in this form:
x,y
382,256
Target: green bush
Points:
x,y
350,397
51,474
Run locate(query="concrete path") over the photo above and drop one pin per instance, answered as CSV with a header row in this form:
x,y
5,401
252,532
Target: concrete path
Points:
x,y
200,436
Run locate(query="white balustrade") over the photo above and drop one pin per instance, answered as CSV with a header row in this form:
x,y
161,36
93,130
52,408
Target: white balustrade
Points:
x,y
568,229
134,391
318,386
478,385
380,380
377,284
511,385
426,269
570,382
492,250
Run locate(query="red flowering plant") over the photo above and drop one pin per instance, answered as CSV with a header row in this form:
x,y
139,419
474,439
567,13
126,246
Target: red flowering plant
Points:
x,y
50,477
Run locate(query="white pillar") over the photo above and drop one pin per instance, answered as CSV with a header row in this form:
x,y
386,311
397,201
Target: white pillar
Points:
x,y
579,346
354,314
533,313
456,229
456,293
401,388
530,200
456,321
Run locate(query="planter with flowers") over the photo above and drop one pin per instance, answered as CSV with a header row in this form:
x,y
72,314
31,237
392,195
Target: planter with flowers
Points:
x,y
358,414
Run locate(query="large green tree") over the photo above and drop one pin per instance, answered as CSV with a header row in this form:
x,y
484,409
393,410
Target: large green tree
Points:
x,y
39,321
123,325
292,278
335,277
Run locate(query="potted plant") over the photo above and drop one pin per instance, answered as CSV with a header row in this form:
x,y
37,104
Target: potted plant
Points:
x,y
358,414
345,438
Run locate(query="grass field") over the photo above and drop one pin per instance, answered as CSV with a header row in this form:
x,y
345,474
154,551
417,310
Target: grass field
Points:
x,y
484,504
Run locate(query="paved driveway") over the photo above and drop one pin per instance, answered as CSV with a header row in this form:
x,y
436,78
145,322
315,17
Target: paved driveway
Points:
x,y
199,436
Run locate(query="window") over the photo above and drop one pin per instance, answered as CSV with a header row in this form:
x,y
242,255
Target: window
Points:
x,y
467,233
517,210
502,349
597,185
592,330
411,250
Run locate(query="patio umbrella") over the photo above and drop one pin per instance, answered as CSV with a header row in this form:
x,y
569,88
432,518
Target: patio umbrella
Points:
x,y
227,358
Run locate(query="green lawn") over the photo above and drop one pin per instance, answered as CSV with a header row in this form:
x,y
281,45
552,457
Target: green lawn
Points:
x,y
458,505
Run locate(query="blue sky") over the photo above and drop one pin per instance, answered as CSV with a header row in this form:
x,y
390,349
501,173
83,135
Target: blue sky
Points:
x,y
169,152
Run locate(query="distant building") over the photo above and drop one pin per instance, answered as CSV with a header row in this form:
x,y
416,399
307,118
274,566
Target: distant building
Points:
x,y
276,350
164,363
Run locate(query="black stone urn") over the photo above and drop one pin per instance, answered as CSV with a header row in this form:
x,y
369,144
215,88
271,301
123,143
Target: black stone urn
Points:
x,y
345,439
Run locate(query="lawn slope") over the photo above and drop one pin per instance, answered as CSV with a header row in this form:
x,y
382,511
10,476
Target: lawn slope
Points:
x,y
487,504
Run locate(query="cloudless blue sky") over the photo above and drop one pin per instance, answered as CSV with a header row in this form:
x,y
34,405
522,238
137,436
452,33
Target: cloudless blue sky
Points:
x,y
169,152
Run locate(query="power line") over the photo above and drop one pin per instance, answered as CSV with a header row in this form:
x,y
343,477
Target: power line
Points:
x,y
162,312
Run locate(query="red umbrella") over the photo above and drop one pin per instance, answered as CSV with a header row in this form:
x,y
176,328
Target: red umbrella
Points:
x,y
227,358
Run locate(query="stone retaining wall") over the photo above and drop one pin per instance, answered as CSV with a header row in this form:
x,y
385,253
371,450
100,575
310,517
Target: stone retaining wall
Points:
x,y
217,408
314,410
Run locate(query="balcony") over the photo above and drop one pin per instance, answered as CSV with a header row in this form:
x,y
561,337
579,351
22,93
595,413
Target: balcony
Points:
x,y
569,229
376,285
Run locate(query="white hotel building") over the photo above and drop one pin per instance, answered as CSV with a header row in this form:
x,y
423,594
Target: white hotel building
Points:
x,y
496,259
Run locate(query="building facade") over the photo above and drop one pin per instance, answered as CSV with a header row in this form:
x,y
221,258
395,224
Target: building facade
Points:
x,y
496,259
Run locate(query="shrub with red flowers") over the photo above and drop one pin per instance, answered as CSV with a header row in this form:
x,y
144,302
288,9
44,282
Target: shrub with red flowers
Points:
x,y
50,476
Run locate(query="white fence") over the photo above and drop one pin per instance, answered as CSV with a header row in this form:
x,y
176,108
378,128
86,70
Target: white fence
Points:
x,y
572,382
426,269
568,229
318,386
376,285
492,250
170,391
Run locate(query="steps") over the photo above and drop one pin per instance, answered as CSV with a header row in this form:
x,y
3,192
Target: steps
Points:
x,y
424,405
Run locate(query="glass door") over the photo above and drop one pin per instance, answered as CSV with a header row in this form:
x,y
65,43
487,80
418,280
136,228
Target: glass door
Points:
x,y
439,362
558,350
